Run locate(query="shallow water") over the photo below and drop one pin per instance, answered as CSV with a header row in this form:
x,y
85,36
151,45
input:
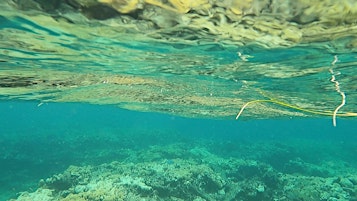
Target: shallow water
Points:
x,y
38,142
100,104
103,62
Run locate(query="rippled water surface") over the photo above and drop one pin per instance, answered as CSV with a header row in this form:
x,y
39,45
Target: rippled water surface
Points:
x,y
129,100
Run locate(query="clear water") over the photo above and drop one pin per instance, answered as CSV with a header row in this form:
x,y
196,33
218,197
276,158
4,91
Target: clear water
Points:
x,y
92,111
55,62
38,142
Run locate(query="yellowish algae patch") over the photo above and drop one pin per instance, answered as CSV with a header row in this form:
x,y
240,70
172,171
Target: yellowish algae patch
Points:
x,y
267,23
284,23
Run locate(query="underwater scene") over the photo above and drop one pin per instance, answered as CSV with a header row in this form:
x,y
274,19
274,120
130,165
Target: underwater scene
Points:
x,y
175,100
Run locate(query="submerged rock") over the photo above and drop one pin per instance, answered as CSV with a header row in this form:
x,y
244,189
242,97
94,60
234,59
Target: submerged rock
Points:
x,y
208,178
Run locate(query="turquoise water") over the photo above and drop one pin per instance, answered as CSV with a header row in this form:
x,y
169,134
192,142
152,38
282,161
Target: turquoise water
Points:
x,y
125,108
91,62
38,142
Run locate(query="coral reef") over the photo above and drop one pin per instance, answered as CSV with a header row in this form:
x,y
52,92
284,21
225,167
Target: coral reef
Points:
x,y
202,175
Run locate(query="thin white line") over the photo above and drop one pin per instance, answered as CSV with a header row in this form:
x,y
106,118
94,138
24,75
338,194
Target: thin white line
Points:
x,y
241,110
338,89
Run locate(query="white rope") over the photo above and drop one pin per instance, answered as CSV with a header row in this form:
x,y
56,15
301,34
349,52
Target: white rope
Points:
x,y
338,89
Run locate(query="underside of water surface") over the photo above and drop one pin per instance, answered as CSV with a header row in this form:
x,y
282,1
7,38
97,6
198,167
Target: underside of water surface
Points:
x,y
107,100
195,59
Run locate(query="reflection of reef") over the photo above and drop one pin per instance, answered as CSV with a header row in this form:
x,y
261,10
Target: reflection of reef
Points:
x,y
162,174
23,81
16,81
127,91
277,22
149,93
191,58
